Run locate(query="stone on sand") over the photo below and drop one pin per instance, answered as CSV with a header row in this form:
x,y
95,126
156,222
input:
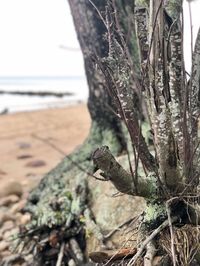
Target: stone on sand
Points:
x,y
11,188
8,200
3,245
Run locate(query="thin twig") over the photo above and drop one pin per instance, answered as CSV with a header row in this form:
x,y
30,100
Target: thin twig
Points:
x,y
150,253
152,35
191,26
119,227
67,157
76,250
150,238
99,13
60,255
171,234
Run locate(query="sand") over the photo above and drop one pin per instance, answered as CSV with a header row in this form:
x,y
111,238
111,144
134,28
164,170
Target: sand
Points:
x,y
25,155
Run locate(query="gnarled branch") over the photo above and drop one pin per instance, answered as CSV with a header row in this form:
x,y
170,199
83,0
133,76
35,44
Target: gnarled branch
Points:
x,y
121,179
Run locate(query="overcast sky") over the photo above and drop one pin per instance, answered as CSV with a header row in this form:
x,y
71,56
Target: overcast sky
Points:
x,y
33,32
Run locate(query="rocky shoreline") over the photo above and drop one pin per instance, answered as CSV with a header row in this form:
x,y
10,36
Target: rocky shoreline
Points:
x,y
12,218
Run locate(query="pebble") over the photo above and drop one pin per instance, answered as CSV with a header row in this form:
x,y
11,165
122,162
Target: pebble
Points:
x,y
36,163
2,172
10,233
5,217
5,253
25,218
71,262
18,206
24,156
3,245
12,201
13,259
24,145
11,188
8,225
18,217
8,200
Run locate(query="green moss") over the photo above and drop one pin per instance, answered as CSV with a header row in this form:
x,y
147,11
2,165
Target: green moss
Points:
x,y
155,213
142,3
150,189
88,233
146,131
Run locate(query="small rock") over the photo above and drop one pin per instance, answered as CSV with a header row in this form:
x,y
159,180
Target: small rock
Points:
x,y
24,145
28,258
5,254
6,201
25,218
10,233
18,206
30,174
8,225
11,188
2,172
36,163
24,156
18,217
13,259
71,262
3,245
5,217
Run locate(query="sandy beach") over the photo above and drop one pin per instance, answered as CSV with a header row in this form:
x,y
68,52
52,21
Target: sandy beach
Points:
x,y
24,150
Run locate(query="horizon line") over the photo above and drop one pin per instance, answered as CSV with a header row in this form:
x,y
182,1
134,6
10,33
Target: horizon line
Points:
x,y
41,77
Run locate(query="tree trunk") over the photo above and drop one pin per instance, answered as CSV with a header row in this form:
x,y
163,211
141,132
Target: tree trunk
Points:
x,y
166,175
105,127
63,196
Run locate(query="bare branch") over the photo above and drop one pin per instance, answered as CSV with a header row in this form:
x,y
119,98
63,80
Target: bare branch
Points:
x,y
149,239
60,255
121,179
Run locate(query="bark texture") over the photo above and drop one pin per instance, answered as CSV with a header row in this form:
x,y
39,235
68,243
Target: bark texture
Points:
x,y
167,173
60,205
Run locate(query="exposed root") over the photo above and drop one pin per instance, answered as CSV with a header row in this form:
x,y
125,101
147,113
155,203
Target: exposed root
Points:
x,y
77,252
150,253
149,239
60,255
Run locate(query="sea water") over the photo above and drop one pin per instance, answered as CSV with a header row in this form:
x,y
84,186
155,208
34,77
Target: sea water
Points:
x,y
74,85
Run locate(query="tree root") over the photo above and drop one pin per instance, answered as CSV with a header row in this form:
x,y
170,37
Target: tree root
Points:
x,y
60,255
149,239
150,253
58,205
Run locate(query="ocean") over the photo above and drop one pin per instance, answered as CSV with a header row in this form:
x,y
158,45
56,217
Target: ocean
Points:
x,y
76,86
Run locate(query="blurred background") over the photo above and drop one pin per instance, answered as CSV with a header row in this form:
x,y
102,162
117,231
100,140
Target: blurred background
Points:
x,y
43,95
39,52
43,90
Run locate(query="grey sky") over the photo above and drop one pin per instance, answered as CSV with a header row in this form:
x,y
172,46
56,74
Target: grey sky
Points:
x,y
35,33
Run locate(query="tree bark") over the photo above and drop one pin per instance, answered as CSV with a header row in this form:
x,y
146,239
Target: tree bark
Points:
x,y
63,196
61,205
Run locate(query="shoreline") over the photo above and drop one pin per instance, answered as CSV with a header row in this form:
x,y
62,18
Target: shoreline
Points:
x,y
38,103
